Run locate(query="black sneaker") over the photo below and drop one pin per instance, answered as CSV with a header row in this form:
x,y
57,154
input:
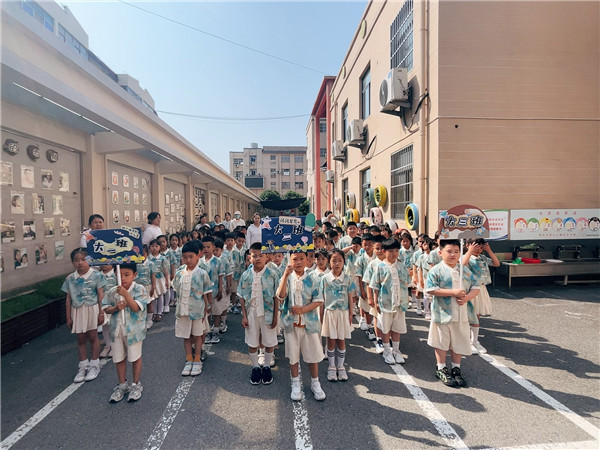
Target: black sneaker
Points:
x,y
444,376
203,355
256,376
267,377
458,378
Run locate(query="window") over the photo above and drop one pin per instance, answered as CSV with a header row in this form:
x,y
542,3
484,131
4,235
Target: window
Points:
x,y
323,153
285,171
285,158
253,172
252,160
285,185
365,183
401,38
273,185
299,172
344,193
238,175
238,162
273,158
299,185
72,42
322,125
365,94
273,173
38,13
402,181
344,122
299,158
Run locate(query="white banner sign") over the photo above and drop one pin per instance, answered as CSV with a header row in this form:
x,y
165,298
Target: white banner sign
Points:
x,y
571,223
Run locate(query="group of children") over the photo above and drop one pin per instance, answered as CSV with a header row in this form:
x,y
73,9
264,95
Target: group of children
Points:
x,y
299,298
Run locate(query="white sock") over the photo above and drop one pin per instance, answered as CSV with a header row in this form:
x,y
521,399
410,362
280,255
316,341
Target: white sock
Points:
x,y
94,362
386,346
314,380
268,358
440,366
331,358
455,365
341,356
474,335
396,346
84,363
254,359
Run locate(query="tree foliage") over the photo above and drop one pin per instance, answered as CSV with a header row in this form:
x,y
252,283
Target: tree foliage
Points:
x,y
269,195
292,194
304,208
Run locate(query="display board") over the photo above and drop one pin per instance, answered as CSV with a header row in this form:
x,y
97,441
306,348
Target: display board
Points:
x,y
568,223
285,234
174,214
41,209
114,246
129,196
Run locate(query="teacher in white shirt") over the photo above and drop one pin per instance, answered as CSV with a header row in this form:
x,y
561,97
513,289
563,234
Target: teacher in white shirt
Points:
x,y
254,233
152,230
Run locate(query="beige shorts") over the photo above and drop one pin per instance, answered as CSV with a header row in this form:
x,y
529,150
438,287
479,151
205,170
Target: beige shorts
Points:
x,y
121,350
482,304
186,327
364,304
257,328
395,322
219,307
309,344
234,285
455,336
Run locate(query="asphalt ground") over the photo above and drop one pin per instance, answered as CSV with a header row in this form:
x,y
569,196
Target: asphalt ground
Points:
x,y
538,387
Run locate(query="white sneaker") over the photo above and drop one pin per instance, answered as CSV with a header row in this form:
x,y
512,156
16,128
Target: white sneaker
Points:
x,y
379,346
474,350
187,369
362,324
92,372
341,374
388,357
223,328
104,352
119,392
81,371
428,316
480,347
261,358
196,369
135,392
296,390
371,334
149,325
398,357
272,363
166,309
332,374
419,312
315,387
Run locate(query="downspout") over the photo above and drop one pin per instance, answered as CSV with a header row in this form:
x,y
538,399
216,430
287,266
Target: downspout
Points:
x,y
423,212
331,187
317,160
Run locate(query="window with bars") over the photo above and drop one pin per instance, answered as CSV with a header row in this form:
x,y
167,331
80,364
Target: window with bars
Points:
x,y
299,185
365,183
298,172
401,38
285,171
322,125
285,158
344,193
273,158
344,122
273,173
298,158
402,181
285,185
365,94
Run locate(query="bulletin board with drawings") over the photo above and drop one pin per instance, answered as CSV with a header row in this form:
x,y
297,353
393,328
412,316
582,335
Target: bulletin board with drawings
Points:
x,y
173,217
41,209
129,196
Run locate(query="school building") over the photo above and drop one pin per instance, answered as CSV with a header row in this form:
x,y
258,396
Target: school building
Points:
x,y
80,139
443,103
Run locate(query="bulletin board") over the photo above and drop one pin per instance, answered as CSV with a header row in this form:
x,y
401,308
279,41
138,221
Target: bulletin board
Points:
x,y
41,209
173,217
129,196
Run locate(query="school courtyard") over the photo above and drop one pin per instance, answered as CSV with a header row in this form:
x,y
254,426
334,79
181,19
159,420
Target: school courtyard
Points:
x,y
538,387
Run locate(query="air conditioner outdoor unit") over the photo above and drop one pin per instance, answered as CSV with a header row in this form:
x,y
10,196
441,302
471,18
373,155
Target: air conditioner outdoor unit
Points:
x,y
354,132
337,151
330,176
393,91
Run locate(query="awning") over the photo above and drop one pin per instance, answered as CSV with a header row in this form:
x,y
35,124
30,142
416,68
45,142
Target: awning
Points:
x,y
280,205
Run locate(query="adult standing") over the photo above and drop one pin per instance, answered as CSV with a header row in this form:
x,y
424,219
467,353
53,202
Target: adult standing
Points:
x,y
238,221
227,222
152,230
95,222
254,233
202,222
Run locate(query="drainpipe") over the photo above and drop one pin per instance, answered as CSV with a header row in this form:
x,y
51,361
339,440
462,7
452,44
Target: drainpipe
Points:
x,y
331,186
424,129
317,160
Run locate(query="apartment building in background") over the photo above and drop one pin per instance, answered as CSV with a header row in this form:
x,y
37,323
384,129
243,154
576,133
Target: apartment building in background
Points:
x,y
277,168
437,104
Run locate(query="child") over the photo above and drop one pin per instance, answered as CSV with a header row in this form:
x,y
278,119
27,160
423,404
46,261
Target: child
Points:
x,y
379,253
479,264
85,289
237,256
319,240
352,232
322,258
257,289
452,311
193,288
228,252
338,295
160,268
389,282
146,278
417,292
174,254
111,281
362,261
299,291
311,264
216,273
228,270
424,267
165,251
126,304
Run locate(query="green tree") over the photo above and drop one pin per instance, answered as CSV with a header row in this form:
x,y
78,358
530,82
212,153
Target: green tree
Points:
x,y
292,194
304,208
270,195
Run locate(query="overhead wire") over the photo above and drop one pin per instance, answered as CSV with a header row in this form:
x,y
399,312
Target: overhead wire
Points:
x,y
287,61
235,119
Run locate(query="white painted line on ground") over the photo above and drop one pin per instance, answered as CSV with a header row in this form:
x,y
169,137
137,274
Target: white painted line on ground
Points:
x,y
550,401
433,414
578,314
16,435
301,427
553,446
550,295
161,429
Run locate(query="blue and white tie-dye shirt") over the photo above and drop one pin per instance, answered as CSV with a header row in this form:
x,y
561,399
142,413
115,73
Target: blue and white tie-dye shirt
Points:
x,y
302,291
191,288
134,321
336,289
215,270
269,282
480,266
392,295
84,288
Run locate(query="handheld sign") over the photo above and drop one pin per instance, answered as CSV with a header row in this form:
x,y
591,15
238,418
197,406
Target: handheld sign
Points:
x,y
286,234
114,246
